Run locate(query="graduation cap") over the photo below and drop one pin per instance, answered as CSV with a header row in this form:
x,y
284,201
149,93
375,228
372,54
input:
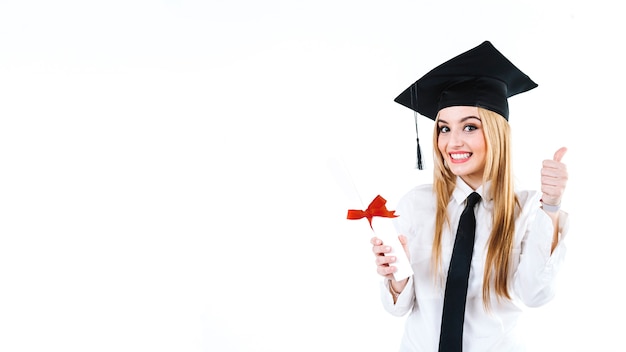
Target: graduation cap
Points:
x,y
481,77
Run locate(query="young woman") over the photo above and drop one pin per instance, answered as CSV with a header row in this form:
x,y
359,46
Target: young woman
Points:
x,y
516,246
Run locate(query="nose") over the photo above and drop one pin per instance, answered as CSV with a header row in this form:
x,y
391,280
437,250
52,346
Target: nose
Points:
x,y
455,138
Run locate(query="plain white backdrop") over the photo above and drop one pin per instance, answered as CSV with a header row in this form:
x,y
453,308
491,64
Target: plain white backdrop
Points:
x,y
164,179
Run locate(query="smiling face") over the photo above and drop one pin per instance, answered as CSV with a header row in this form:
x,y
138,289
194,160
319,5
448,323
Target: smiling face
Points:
x,y
461,142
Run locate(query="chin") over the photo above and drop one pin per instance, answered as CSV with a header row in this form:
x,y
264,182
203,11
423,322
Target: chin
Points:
x,y
462,170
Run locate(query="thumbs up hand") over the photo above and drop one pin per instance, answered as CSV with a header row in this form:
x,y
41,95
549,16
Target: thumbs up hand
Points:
x,y
553,178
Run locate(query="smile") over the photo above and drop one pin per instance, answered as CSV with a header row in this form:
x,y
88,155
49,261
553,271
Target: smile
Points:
x,y
460,156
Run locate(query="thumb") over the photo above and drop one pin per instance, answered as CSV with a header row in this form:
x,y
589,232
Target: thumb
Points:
x,y
559,154
404,242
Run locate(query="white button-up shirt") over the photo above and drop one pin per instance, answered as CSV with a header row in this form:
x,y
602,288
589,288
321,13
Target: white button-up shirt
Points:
x,y
531,277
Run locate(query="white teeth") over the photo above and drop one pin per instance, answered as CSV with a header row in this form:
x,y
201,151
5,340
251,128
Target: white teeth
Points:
x,y
460,156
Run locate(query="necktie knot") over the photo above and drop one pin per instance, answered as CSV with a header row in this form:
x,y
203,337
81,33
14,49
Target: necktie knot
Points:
x,y
472,199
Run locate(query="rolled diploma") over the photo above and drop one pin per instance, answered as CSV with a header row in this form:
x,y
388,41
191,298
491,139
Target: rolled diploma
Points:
x,y
386,231
383,227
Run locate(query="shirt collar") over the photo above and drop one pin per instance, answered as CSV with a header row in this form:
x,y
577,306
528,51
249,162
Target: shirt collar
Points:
x,y
462,190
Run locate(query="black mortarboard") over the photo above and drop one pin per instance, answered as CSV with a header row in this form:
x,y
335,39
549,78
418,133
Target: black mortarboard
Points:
x,y
480,77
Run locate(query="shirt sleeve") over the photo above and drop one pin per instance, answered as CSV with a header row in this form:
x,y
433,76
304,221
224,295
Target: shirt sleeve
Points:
x,y
535,279
405,300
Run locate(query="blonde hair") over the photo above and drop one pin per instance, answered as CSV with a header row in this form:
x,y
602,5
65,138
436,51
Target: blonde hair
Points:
x,y
498,171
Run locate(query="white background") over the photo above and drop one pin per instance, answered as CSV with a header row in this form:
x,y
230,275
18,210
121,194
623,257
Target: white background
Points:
x,y
164,179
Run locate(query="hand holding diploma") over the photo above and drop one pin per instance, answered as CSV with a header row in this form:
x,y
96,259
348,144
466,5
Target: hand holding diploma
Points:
x,y
385,261
388,246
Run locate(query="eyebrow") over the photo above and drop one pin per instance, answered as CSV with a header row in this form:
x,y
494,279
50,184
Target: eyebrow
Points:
x,y
462,120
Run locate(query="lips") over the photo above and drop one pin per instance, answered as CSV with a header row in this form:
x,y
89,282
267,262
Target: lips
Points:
x,y
460,157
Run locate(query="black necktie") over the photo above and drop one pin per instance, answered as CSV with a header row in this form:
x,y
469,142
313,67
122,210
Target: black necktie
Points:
x,y
451,337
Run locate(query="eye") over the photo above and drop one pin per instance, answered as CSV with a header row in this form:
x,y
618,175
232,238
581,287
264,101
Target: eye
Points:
x,y
470,128
444,129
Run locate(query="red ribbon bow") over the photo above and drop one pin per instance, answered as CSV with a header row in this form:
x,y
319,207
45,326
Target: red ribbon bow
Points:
x,y
376,208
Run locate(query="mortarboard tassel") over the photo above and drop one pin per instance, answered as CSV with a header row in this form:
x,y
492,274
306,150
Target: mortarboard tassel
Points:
x,y
419,150
420,166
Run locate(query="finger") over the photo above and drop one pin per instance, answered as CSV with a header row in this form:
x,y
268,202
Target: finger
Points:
x,y
552,190
559,154
405,244
553,164
553,181
386,271
557,170
381,250
376,241
554,173
385,260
